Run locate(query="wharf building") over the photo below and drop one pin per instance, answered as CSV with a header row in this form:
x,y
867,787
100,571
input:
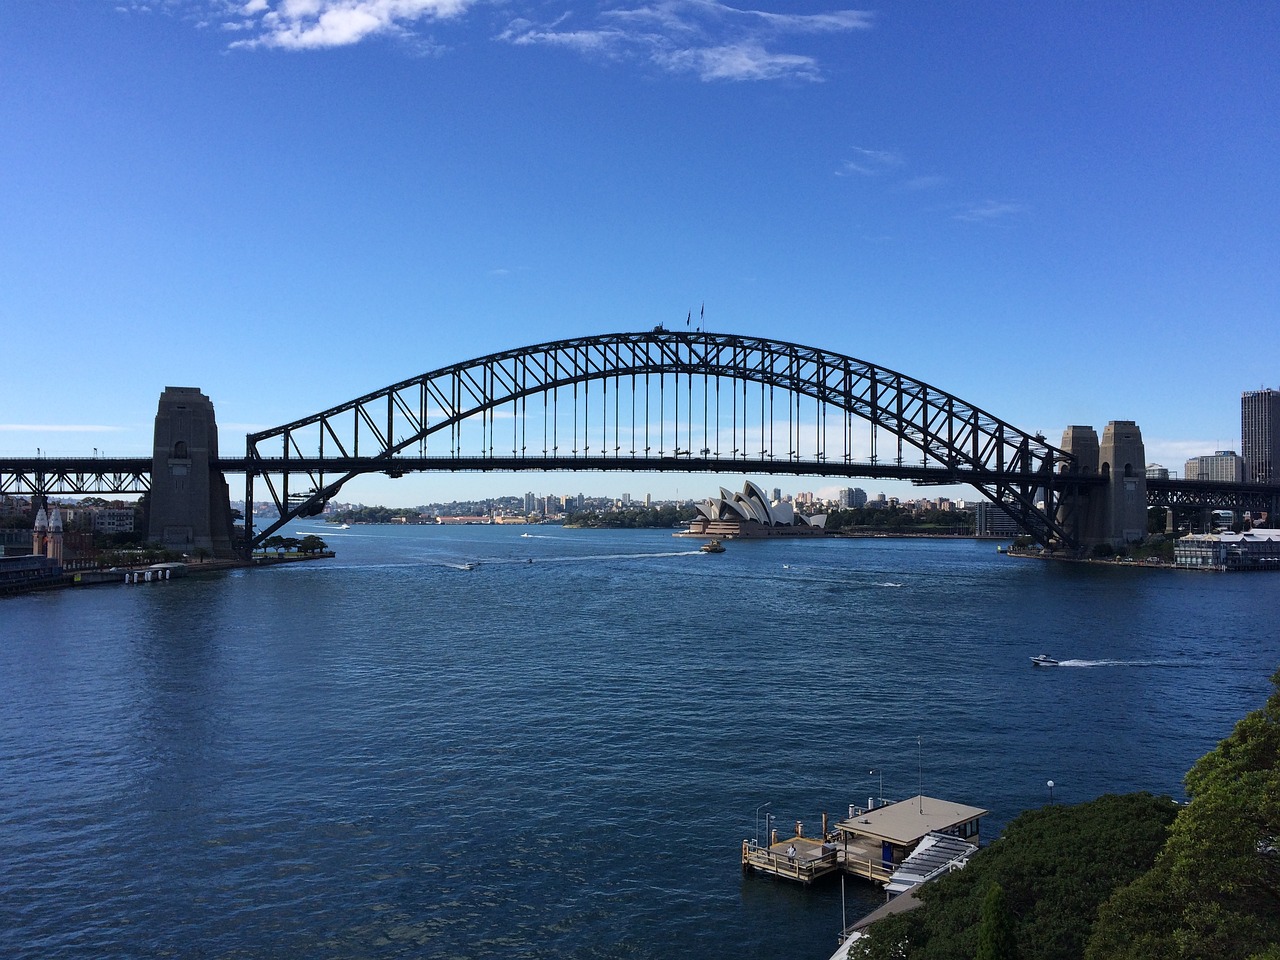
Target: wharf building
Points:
x,y
1226,551
1260,434
43,566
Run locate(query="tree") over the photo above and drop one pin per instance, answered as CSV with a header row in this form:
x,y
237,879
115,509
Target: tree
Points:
x,y
1215,891
1054,867
995,935
312,544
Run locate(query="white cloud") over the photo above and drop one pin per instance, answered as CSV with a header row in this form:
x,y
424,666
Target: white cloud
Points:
x,y
746,61
319,24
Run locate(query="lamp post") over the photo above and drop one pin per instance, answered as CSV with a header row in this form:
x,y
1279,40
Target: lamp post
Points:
x,y
1050,786
758,809
880,795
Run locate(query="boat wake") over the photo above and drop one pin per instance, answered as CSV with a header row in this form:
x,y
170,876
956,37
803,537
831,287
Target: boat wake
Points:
x,y
888,583
618,556
1117,663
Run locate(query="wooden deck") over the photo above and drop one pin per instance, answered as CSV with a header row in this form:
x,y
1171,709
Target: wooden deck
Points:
x,y
814,860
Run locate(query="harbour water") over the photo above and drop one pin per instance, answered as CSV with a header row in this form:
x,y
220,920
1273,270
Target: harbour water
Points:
x,y
559,751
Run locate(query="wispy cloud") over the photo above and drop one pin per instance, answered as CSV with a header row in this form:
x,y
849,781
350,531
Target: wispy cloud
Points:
x,y
989,211
705,38
59,428
708,39
869,163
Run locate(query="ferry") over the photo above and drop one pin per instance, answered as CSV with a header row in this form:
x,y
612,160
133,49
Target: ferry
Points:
x,y
712,546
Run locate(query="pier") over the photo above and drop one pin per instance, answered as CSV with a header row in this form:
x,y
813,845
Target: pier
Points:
x,y
871,843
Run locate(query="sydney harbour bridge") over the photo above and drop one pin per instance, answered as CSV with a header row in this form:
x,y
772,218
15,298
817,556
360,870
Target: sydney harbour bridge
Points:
x,y
656,401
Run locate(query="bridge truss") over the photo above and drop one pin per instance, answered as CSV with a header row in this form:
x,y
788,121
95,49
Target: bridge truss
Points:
x,y
54,476
665,400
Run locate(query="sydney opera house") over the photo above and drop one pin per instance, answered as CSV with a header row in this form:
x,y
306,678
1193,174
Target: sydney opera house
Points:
x,y
750,514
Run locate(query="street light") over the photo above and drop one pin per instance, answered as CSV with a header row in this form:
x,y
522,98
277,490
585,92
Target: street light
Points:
x,y
758,809
880,795
1050,786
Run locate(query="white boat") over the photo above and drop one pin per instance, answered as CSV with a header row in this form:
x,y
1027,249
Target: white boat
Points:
x,y
1044,660
344,526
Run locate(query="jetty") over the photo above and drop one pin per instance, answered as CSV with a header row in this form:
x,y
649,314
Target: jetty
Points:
x,y
871,843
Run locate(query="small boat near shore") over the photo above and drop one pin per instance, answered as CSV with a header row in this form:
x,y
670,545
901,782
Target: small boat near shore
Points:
x,y
1044,660
712,546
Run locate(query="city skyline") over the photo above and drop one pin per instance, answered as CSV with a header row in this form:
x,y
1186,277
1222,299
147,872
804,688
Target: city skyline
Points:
x,y
1053,213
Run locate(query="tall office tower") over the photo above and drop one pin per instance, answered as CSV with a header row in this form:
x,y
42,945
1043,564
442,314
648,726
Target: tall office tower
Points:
x,y
1260,434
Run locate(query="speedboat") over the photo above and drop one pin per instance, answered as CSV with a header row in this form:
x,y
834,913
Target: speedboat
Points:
x,y
1044,660
712,546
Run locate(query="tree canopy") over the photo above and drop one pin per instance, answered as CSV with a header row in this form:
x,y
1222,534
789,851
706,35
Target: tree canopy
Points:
x,y
1132,877
1215,891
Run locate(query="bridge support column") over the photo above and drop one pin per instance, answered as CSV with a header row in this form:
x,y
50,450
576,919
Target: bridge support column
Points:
x,y
1114,514
190,503
1081,510
1124,458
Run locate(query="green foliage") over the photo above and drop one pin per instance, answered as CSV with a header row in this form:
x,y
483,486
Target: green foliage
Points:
x,y
1215,891
311,544
995,934
893,518
374,515
641,518
1054,865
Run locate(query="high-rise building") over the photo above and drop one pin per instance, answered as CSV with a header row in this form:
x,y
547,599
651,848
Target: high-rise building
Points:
x,y
1260,435
853,497
1224,465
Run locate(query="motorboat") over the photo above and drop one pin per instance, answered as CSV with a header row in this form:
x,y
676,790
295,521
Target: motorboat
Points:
x,y
712,546
1044,660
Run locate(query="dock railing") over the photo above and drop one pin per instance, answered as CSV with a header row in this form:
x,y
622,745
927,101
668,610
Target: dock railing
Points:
x,y
803,867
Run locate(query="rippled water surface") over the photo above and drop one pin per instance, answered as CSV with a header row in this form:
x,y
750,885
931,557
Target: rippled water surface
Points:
x,y
390,755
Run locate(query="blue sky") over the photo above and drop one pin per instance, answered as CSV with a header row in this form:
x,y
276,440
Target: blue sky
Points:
x,y
1062,213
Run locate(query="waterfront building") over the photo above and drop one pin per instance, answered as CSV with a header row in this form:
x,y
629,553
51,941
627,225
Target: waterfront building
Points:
x,y
1223,466
1260,434
1249,551
993,520
1157,472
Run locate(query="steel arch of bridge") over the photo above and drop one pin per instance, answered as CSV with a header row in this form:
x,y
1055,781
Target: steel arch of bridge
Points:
x,y
705,401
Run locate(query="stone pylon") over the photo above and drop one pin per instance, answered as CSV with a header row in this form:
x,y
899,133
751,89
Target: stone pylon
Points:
x,y
190,503
1114,514
1123,458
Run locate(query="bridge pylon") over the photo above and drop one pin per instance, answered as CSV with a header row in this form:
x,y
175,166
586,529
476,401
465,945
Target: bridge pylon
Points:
x,y
1114,513
190,505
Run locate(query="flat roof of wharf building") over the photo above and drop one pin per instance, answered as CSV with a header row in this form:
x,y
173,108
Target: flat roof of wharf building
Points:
x,y
907,821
